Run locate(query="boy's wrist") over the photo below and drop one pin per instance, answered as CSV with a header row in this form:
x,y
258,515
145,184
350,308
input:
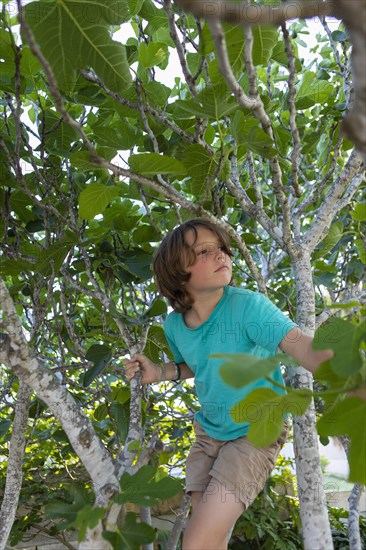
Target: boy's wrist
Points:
x,y
162,372
168,372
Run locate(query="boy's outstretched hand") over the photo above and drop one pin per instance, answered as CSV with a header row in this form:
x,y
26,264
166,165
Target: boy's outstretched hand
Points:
x,y
150,372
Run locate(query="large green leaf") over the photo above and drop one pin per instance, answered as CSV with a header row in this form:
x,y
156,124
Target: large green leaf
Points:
x,y
265,410
143,488
51,259
200,165
95,198
151,164
123,137
348,418
250,136
344,338
58,135
264,40
75,35
156,17
132,535
213,102
241,368
312,91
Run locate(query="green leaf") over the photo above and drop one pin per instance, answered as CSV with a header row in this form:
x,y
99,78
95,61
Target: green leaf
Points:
x,y
157,18
140,265
67,510
82,159
132,535
142,488
100,355
29,65
265,409
156,343
4,426
121,416
88,518
344,338
359,212
14,267
200,165
100,412
361,249
247,133
312,91
157,308
213,102
145,234
75,35
52,258
241,368
123,138
279,55
95,198
264,40
347,418
334,235
153,53
58,134
151,164
135,6
121,395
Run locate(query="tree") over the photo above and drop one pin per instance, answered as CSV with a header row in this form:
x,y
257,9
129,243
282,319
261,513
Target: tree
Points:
x,y
99,160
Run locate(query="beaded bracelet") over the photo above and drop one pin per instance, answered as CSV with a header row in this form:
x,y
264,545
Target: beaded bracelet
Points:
x,y
177,372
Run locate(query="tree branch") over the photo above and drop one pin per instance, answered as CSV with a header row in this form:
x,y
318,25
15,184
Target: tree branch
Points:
x,y
180,51
325,215
296,145
254,14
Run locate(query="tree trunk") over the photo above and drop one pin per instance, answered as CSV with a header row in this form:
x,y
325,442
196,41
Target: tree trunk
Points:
x,y
313,510
14,474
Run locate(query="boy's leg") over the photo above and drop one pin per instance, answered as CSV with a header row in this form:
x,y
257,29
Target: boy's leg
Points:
x,y
213,515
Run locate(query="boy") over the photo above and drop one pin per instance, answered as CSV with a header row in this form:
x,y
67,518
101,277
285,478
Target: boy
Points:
x,y
224,471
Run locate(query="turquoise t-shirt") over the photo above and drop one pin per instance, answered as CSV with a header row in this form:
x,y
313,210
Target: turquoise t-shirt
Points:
x,y
242,322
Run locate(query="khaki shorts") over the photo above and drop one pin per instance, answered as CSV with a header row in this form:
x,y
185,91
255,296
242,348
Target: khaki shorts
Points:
x,y
239,467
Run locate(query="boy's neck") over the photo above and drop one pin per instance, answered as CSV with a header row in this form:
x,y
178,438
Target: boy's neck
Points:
x,y
203,306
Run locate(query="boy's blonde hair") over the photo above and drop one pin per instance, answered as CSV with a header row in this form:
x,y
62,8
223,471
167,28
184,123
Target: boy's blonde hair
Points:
x,y
174,255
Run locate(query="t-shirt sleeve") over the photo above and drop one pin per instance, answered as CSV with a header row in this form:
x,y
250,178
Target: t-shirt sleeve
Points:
x,y
265,324
169,334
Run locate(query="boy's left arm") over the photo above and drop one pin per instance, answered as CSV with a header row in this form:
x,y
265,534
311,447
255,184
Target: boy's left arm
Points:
x,y
297,344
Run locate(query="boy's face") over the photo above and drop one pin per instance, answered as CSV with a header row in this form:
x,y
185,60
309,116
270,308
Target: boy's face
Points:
x,y
212,268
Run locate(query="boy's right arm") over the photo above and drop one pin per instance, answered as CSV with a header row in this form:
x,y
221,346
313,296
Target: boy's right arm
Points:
x,y
152,372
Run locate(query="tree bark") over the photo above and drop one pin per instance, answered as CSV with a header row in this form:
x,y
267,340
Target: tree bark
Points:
x,y
14,474
179,523
354,536
313,510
